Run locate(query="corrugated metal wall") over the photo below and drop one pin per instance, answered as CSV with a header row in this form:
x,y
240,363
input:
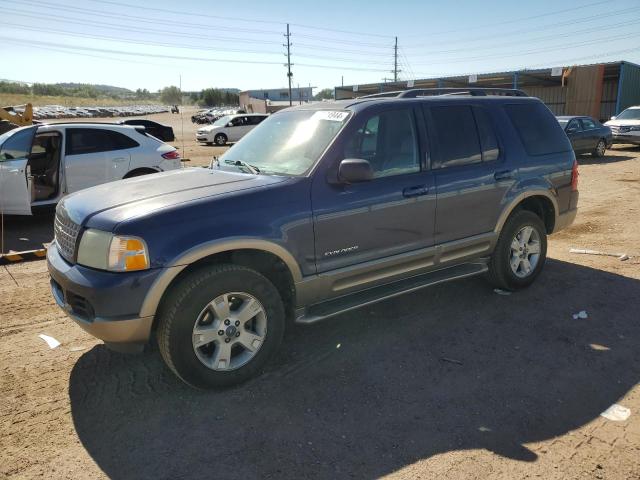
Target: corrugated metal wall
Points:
x,y
609,96
553,97
630,86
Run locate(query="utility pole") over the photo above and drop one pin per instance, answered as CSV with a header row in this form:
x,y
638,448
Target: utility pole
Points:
x,y
288,65
395,61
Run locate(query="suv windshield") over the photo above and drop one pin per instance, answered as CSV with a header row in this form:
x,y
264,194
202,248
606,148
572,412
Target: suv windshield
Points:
x,y
629,114
288,143
222,121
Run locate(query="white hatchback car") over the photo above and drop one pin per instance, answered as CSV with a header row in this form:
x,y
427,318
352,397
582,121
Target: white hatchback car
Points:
x,y
40,164
229,128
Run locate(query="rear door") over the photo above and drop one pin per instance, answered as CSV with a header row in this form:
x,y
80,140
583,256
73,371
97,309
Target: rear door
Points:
x,y
15,181
92,157
471,172
237,128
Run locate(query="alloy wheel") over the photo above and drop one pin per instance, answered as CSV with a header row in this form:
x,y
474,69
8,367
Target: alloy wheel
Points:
x,y
525,252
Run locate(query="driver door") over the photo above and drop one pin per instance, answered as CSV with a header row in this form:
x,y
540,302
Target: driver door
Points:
x,y
15,181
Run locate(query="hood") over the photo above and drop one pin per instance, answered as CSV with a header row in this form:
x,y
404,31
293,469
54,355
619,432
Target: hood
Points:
x,y
108,204
622,122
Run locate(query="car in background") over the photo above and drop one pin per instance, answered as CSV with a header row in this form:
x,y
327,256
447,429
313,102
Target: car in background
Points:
x,y
587,135
626,126
158,130
229,128
40,164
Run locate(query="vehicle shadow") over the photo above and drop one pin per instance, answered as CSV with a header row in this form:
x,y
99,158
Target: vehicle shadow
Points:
x,y
23,232
453,367
591,160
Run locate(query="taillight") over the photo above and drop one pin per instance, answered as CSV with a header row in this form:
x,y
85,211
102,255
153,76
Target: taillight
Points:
x,y
574,176
173,155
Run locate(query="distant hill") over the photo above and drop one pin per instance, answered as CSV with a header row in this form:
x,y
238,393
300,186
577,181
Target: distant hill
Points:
x,y
104,89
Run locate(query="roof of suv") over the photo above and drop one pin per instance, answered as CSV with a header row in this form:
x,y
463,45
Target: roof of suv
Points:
x,y
360,103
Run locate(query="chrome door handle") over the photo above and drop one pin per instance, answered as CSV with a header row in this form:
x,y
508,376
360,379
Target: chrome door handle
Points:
x,y
16,170
415,191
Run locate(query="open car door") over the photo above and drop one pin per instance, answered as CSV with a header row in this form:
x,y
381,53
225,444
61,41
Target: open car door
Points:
x,y
15,180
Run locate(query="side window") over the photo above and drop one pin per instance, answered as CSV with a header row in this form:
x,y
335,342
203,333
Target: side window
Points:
x,y
537,128
587,124
81,141
488,139
574,125
389,142
121,141
17,145
455,136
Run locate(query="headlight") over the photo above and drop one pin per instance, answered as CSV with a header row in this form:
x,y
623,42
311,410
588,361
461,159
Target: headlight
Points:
x,y
115,253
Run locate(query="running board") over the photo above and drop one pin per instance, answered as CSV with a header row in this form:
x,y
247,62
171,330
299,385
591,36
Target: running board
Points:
x,y
329,308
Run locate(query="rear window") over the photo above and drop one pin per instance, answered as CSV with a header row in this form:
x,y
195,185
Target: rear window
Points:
x,y
92,140
537,128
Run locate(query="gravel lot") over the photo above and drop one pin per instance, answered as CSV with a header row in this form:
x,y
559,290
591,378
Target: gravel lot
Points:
x,y
450,382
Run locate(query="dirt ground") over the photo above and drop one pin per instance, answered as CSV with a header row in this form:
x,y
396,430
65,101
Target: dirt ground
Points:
x,y
450,382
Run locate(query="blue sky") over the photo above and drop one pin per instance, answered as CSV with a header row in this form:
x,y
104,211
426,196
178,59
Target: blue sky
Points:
x,y
149,45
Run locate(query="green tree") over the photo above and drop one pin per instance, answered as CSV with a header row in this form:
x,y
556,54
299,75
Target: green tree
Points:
x,y
171,95
325,94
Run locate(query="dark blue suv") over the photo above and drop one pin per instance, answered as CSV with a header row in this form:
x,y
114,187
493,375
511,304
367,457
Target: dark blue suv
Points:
x,y
321,209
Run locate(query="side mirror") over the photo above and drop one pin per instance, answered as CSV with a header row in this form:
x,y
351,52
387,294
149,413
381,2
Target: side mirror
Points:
x,y
613,118
355,170
572,130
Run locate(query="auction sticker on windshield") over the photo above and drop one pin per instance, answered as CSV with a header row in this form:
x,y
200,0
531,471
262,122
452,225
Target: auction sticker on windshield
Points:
x,y
330,115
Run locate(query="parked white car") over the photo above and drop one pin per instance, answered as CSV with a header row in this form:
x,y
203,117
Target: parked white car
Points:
x,y
40,164
626,126
229,128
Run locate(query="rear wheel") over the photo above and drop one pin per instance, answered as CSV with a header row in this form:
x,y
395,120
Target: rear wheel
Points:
x,y
601,148
220,139
219,326
520,253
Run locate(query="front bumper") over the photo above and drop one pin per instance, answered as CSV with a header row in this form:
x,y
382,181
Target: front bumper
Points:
x,y
104,304
202,138
626,138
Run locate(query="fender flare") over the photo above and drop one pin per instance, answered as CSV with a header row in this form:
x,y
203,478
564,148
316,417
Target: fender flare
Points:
x,y
160,285
518,199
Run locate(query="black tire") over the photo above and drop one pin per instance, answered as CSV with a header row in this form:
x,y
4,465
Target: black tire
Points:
x,y
220,139
500,272
600,149
185,302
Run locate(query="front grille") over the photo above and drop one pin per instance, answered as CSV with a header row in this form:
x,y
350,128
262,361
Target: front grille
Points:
x,y
66,233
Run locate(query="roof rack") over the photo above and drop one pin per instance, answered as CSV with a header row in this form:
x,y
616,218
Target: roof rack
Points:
x,y
428,92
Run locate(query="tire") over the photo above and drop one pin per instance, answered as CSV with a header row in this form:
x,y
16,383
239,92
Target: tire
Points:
x,y
188,309
501,273
220,139
600,149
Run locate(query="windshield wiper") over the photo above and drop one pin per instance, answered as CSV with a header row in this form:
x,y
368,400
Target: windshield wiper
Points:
x,y
239,163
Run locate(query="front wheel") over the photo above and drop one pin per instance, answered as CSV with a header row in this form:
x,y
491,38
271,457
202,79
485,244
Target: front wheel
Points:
x,y
219,326
520,253
220,139
600,149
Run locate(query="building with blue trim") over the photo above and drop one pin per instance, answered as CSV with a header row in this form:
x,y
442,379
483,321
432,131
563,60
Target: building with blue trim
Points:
x,y
599,90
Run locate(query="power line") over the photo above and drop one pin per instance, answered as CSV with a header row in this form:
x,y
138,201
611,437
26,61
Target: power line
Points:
x,y
521,32
120,17
178,57
67,33
533,40
515,20
530,52
220,17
